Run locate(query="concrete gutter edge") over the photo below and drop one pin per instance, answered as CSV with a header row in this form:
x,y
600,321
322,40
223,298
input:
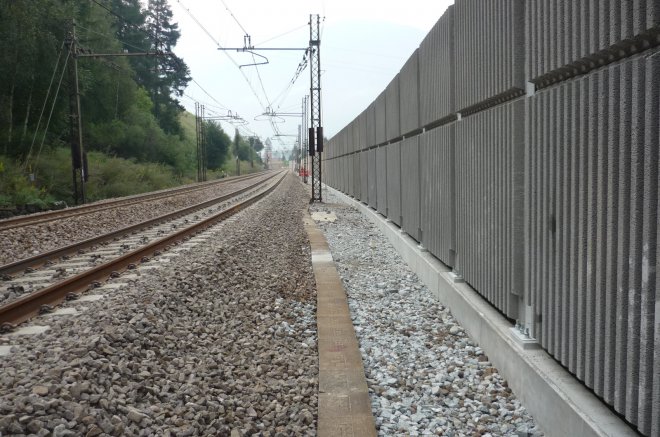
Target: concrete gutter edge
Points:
x,y
344,406
560,404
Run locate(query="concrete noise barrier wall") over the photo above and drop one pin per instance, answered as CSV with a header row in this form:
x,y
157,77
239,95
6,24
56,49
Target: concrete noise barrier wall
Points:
x,y
519,144
592,221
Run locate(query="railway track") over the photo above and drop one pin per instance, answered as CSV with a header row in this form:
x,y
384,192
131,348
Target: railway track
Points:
x,y
45,217
51,277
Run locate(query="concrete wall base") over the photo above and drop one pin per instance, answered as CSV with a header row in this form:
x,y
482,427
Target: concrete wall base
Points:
x,y
561,405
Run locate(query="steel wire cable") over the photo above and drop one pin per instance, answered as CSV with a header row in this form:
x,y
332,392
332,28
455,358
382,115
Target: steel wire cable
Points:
x,y
43,107
52,108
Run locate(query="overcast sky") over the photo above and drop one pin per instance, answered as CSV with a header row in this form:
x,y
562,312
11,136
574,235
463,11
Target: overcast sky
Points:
x,y
364,44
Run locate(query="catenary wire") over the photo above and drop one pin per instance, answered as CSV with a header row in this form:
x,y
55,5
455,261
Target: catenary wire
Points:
x,y
43,107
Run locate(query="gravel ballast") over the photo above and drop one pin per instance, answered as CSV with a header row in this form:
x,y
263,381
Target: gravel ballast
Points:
x,y
425,375
27,241
219,341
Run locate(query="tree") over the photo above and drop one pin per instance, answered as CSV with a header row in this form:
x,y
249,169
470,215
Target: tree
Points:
x,y
170,74
218,144
256,144
31,36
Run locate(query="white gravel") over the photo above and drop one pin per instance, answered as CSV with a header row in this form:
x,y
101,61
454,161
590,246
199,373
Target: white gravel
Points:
x,y
425,375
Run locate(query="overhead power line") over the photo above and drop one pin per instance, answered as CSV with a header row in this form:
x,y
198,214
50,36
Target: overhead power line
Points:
x,y
217,43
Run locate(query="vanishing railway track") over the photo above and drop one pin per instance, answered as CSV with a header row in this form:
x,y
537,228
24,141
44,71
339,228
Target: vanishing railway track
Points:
x,y
51,277
45,217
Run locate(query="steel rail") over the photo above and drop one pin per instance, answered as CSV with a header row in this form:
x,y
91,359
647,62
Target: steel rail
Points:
x,y
32,304
44,257
28,220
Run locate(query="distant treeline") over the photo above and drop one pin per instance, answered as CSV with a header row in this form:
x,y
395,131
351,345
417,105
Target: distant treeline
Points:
x,y
130,107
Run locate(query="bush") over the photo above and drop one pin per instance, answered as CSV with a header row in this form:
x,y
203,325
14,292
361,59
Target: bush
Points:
x,y
108,177
16,189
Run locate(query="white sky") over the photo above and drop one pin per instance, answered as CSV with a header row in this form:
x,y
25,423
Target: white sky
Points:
x,y
364,44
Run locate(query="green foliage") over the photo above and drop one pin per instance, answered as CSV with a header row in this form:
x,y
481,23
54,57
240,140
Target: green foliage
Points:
x,y
17,189
115,177
136,134
109,177
127,107
218,144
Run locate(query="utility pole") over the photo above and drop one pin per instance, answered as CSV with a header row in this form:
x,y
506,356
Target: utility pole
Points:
x,y
199,120
298,148
314,132
78,155
78,160
315,128
203,134
305,140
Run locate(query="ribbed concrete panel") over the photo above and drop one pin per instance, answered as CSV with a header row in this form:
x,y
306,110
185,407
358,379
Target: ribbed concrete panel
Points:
x,y
394,182
357,175
381,180
409,94
370,122
591,231
362,131
392,110
371,164
351,175
364,176
355,135
410,187
326,178
381,119
490,39
489,203
436,70
346,173
437,172
343,175
584,34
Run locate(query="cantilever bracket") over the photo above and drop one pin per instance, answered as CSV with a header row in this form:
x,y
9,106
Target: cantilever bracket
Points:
x,y
255,63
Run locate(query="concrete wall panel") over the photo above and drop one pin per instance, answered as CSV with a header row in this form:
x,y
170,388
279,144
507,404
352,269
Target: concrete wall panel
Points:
x,y
436,68
371,164
394,182
364,176
566,33
591,223
362,131
357,175
381,180
490,40
348,164
381,119
436,148
409,94
410,187
370,114
392,109
489,203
